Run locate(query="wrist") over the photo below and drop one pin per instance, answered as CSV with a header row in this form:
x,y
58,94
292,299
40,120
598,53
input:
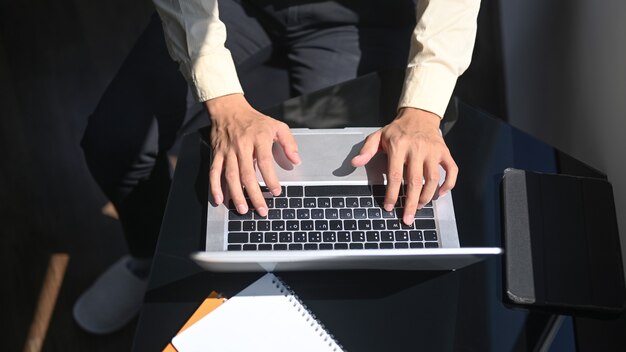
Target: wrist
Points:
x,y
226,104
419,117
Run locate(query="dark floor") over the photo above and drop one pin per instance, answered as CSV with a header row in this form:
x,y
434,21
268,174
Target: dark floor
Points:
x,y
56,58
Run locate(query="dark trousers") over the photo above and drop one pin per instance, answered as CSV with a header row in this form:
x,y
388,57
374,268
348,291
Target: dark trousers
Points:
x,y
142,111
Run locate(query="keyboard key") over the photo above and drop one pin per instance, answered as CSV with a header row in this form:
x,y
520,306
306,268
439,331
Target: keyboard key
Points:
x,y
306,225
430,235
310,203
349,225
388,214
356,246
386,245
233,215
281,202
303,214
429,205
269,202
271,237
329,236
331,214
345,213
289,214
343,236
386,236
315,236
277,246
405,226
310,246
285,237
321,225
273,214
249,225
237,237
266,247
317,213
295,191
256,237
341,246
293,225
372,236
249,247
358,236
365,225
371,246
424,224
338,202
343,190
402,236
431,245
373,213
378,225
335,225
360,213
263,226
295,202
278,225
256,216
299,237
352,202
366,202
393,224
425,213
401,245
416,236
295,247
234,226
234,247
323,202
326,246
416,245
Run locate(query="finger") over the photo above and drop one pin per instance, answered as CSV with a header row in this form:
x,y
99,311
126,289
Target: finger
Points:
x,y
394,178
414,181
250,182
231,174
286,140
452,171
431,181
215,179
369,149
265,162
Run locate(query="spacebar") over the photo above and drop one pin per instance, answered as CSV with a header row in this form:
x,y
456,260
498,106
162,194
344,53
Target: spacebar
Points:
x,y
344,190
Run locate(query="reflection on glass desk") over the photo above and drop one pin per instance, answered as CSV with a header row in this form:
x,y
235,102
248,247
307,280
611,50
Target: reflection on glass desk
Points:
x,y
367,310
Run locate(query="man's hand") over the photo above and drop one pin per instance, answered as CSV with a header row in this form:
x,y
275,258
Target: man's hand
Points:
x,y
415,149
239,136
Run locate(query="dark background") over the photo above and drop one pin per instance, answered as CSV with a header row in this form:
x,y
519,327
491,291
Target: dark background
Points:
x,y
56,59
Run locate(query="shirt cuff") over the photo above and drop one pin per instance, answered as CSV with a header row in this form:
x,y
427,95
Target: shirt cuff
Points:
x,y
212,76
428,88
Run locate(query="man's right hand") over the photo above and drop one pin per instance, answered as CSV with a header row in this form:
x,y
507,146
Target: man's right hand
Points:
x,y
241,136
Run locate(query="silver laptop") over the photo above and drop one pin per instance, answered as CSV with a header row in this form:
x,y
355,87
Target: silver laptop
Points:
x,y
329,216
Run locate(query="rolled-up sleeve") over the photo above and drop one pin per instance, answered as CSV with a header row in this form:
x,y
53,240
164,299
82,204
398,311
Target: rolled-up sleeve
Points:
x,y
195,38
441,50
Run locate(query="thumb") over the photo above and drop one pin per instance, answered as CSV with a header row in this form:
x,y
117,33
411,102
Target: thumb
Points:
x,y
370,148
286,140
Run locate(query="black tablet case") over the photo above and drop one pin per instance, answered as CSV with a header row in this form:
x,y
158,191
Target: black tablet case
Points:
x,y
562,249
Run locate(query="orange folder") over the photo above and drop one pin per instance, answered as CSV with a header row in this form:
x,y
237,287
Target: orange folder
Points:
x,y
208,305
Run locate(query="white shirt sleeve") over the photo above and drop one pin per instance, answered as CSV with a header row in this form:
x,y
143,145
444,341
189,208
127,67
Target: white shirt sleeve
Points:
x,y
195,38
441,50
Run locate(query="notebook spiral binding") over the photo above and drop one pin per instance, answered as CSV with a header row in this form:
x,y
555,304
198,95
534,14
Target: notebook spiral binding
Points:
x,y
306,313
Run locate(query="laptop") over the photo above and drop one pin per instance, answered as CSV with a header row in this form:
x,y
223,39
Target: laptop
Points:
x,y
330,217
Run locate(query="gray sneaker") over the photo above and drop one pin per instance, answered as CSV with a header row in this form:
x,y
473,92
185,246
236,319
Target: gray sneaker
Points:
x,y
113,299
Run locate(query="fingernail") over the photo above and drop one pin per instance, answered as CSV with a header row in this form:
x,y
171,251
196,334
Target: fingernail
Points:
x,y
443,194
218,199
388,207
408,220
242,208
262,211
276,192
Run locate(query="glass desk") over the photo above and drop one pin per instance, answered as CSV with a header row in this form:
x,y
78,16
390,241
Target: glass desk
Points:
x,y
369,310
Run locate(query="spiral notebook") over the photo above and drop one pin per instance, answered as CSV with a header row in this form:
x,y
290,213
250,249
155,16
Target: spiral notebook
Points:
x,y
265,316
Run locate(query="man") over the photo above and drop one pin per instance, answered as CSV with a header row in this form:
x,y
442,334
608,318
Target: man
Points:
x,y
325,42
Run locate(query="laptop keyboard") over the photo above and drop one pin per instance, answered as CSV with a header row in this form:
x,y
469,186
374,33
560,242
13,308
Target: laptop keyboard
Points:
x,y
330,217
